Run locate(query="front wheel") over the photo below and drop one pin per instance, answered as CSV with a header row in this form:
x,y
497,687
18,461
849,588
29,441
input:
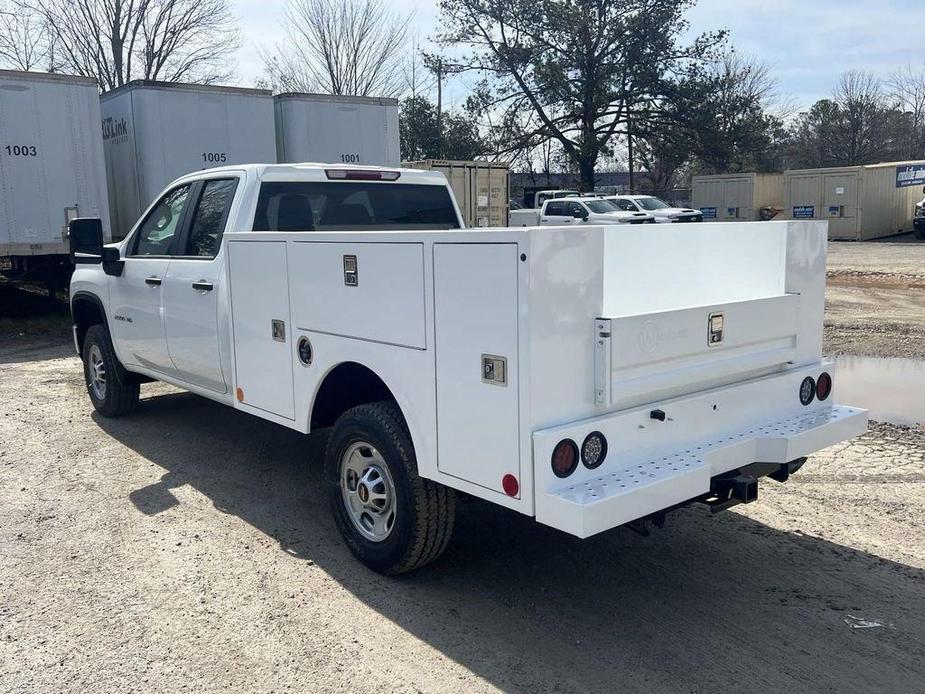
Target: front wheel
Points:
x,y
104,376
391,519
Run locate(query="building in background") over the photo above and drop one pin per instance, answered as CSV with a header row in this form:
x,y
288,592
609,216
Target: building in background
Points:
x,y
859,202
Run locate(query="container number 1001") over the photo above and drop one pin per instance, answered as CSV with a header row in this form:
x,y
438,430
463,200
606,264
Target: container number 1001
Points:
x,y
21,150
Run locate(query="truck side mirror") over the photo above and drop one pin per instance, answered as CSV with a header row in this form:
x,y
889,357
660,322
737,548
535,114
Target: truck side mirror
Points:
x,y
112,261
86,240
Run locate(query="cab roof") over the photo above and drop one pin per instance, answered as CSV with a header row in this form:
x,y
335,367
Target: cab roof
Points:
x,y
313,171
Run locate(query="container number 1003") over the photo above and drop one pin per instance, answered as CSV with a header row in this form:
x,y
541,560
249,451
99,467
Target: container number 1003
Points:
x,y
21,150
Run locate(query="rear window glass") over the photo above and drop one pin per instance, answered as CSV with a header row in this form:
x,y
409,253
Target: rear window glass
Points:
x,y
323,206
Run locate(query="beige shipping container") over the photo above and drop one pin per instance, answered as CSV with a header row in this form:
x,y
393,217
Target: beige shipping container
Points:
x,y
480,188
736,197
859,202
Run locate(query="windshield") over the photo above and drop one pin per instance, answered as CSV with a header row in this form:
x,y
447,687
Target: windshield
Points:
x,y
600,206
324,206
652,203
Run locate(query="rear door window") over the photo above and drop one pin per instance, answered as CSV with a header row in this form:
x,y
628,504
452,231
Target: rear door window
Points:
x,y
354,206
209,218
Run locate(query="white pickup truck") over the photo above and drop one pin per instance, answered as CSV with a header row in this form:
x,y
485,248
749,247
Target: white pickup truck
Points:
x,y
577,210
587,379
661,210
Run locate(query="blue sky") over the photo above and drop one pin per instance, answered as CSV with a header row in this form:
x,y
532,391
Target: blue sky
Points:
x,y
807,43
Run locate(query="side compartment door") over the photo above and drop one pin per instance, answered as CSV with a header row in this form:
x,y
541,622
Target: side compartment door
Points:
x,y
136,297
258,284
476,330
193,284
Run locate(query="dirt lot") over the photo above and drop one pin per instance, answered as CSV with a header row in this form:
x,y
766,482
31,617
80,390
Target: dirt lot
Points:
x,y
188,549
876,299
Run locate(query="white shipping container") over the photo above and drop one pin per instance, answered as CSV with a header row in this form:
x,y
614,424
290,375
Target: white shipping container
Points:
x,y
51,161
481,189
859,202
155,132
736,197
331,129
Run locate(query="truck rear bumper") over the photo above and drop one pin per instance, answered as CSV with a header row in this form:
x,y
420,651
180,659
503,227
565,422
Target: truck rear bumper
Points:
x,y
636,485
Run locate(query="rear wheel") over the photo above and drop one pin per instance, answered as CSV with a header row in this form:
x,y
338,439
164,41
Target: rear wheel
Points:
x,y
105,376
392,520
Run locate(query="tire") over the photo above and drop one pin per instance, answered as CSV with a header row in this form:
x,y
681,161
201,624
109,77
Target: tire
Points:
x,y
105,377
370,447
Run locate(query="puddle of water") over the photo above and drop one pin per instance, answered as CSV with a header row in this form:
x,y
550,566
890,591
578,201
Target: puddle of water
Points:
x,y
892,389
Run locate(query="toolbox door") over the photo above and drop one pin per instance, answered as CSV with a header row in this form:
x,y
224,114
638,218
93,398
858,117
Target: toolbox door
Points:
x,y
476,332
259,283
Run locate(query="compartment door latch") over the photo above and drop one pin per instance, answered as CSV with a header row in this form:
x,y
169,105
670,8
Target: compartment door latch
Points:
x,y
602,362
715,328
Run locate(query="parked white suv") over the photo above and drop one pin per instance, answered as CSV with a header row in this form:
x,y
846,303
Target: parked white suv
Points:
x,y
659,209
577,210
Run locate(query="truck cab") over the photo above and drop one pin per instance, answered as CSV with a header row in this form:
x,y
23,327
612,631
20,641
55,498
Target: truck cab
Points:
x,y
169,302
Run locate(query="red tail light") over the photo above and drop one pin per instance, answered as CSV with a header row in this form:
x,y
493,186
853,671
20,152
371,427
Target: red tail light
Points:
x,y
823,386
361,175
564,458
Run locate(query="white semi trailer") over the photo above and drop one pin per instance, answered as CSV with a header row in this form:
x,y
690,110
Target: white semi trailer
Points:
x,y
589,376
336,129
154,132
51,169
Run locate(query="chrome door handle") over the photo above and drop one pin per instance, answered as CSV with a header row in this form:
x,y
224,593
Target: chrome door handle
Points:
x,y
202,286
153,281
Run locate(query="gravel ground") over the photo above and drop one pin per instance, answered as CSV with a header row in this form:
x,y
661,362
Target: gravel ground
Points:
x,y
188,548
875,303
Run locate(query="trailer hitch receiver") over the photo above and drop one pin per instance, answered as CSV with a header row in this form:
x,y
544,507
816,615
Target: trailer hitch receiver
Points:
x,y
731,489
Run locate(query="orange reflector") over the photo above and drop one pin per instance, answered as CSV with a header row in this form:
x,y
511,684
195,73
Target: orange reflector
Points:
x,y
240,393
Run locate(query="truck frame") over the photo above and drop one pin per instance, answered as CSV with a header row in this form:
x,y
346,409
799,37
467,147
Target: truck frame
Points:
x,y
589,377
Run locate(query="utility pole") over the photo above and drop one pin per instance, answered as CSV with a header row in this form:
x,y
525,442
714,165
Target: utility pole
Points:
x,y
438,71
629,140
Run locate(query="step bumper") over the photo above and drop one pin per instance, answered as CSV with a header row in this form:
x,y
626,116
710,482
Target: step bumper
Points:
x,y
638,488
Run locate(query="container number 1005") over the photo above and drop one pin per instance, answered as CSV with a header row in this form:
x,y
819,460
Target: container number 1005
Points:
x,y
22,150
214,157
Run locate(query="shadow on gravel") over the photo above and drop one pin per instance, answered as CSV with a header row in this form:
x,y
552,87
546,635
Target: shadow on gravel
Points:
x,y
710,603
19,350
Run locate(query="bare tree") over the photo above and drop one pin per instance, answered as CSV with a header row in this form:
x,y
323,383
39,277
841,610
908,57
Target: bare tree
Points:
x,y
24,43
117,41
906,89
341,47
860,96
